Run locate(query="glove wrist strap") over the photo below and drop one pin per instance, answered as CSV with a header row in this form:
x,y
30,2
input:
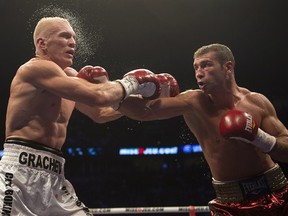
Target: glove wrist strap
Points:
x,y
264,141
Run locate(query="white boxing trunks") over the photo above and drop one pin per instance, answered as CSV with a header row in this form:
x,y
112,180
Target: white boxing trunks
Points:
x,y
32,182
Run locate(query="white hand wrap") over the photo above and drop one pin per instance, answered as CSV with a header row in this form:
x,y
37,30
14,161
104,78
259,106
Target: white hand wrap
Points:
x,y
264,141
130,85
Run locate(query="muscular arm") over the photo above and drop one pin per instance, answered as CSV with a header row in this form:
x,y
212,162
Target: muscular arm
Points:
x,y
163,108
280,150
99,114
272,125
48,76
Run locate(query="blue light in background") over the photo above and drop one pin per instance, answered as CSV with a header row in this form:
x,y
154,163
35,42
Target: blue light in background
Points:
x,y
191,148
171,150
91,151
174,150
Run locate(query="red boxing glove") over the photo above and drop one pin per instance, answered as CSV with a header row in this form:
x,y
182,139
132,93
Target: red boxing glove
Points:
x,y
92,74
239,125
141,81
168,84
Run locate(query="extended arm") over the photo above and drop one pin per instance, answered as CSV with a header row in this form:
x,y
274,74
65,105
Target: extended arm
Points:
x,y
48,76
162,108
99,114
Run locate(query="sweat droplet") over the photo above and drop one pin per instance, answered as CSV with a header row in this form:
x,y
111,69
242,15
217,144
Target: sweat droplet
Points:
x,y
88,38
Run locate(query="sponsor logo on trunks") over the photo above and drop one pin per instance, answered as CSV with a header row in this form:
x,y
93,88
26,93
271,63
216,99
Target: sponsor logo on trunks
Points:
x,y
77,201
39,161
255,187
8,195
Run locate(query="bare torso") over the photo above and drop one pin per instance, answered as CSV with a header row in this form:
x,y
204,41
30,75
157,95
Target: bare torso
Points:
x,y
36,114
228,159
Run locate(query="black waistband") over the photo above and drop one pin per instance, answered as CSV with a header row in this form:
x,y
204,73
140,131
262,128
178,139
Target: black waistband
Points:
x,y
33,144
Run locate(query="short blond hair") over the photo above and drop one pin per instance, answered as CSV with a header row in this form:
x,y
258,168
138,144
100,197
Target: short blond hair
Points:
x,y
41,29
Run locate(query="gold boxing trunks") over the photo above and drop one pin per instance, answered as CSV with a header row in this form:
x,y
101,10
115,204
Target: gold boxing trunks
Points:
x,y
236,191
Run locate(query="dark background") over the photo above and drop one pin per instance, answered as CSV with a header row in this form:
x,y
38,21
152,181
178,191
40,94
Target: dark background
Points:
x,y
161,35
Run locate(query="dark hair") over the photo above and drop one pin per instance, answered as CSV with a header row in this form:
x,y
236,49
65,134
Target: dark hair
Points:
x,y
223,53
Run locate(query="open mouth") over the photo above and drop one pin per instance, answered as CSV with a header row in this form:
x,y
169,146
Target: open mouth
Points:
x,y
71,52
201,84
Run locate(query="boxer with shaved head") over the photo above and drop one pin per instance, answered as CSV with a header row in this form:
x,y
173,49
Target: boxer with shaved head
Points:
x,y
43,93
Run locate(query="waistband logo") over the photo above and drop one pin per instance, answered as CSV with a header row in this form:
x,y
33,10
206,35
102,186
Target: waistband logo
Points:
x,y
256,186
38,161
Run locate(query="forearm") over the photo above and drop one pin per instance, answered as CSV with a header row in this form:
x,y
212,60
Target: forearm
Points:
x,y
107,114
108,94
280,150
135,107
139,81
101,95
99,114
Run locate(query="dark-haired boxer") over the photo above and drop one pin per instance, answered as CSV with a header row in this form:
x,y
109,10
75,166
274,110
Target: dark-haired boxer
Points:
x,y
246,179
43,94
